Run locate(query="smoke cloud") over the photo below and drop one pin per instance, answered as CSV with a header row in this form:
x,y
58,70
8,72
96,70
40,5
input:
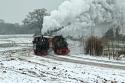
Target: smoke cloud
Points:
x,y
81,17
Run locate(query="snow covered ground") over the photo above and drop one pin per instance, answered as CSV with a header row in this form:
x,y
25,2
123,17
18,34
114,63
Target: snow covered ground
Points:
x,y
19,65
12,42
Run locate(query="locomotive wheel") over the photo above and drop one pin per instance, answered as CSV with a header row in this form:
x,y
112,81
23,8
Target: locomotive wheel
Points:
x,y
41,53
62,51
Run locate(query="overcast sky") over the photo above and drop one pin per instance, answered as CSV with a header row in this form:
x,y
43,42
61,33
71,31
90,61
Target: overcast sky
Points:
x,y
14,11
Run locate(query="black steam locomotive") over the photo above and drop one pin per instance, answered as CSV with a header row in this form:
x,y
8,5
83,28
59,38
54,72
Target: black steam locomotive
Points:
x,y
41,45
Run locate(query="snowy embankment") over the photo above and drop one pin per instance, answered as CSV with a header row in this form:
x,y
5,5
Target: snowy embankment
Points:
x,y
23,67
34,69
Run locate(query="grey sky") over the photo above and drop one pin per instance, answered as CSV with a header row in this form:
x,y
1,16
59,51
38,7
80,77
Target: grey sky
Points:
x,y
14,11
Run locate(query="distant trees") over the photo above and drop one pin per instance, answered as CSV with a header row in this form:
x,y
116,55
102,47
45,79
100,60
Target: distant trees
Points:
x,y
9,28
35,19
1,21
114,34
15,28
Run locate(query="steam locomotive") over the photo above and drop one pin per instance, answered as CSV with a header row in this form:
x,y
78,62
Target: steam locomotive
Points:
x,y
41,45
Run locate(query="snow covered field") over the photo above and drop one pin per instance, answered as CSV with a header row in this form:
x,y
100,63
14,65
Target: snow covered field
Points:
x,y
14,42
18,64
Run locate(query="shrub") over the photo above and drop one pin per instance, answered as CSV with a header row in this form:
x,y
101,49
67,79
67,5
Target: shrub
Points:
x,y
93,46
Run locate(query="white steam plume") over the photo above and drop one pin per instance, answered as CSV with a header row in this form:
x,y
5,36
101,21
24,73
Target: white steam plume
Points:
x,y
121,8
82,17
66,13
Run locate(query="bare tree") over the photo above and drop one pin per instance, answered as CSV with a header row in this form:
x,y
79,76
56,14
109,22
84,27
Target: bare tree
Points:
x,y
35,19
94,46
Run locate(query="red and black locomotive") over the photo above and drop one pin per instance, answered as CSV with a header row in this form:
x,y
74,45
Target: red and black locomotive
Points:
x,y
41,45
60,46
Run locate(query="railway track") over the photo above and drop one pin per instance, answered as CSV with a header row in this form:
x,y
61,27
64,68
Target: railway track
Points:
x,y
98,64
38,60
71,59
97,60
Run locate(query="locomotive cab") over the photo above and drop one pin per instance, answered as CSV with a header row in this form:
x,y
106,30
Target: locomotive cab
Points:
x,y
40,45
